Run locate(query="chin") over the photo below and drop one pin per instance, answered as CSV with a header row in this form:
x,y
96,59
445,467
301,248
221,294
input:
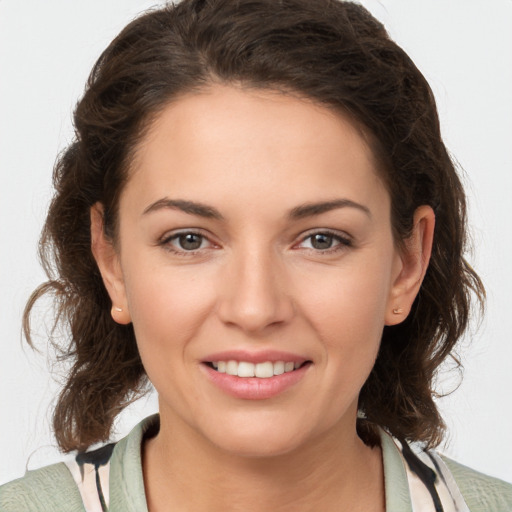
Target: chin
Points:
x,y
259,446
259,437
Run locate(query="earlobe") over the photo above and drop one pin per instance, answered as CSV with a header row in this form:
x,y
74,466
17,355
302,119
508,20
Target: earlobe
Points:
x,y
107,260
415,258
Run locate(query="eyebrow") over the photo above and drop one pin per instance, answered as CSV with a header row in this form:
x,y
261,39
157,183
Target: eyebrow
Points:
x,y
191,207
312,209
299,212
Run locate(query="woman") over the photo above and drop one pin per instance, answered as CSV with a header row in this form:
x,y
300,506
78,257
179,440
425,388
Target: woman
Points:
x,y
259,216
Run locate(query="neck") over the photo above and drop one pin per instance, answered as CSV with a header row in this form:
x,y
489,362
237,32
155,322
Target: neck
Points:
x,y
336,470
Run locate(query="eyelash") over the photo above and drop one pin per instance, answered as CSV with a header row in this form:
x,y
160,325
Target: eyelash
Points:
x,y
165,242
343,242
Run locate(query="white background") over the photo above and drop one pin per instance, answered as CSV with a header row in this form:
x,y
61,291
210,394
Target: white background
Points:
x,y
464,47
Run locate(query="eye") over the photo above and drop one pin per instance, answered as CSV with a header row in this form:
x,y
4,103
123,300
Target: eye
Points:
x,y
185,241
189,241
325,241
321,241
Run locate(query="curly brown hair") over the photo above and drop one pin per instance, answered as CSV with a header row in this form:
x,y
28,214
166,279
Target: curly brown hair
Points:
x,y
333,52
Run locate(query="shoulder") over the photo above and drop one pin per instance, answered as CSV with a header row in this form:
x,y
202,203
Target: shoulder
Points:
x,y
112,472
49,489
482,493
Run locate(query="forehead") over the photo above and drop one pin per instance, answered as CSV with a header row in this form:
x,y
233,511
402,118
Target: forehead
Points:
x,y
227,140
209,110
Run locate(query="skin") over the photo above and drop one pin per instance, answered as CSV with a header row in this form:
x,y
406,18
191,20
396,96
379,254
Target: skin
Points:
x,y
257,282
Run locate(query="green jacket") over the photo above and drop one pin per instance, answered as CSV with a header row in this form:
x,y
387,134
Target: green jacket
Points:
x,y
53,488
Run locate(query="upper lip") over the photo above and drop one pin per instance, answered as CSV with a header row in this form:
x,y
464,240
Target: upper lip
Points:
x,y
261,356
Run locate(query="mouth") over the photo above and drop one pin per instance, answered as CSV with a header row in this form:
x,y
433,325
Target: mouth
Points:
x,y
263,370
255,376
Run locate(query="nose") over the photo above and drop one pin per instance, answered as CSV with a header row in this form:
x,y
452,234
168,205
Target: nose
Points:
x,y
253,295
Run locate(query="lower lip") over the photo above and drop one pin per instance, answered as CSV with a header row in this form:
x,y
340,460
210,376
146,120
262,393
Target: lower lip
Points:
x,y
254,388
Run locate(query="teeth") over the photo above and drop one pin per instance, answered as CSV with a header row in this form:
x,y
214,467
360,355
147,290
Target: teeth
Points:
x,y
232,368
245,369
261,370
279,368
264,370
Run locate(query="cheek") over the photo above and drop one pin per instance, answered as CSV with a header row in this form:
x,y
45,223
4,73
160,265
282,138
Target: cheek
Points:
x,y
350,300
347,311
167,305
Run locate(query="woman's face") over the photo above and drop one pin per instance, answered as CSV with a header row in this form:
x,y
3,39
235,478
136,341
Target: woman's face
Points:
x,y
255,237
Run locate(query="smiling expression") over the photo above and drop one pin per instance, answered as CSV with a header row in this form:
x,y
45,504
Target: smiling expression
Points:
x,y
257,264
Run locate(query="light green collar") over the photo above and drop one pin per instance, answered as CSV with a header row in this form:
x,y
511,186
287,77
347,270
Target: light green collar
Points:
x,y
398,497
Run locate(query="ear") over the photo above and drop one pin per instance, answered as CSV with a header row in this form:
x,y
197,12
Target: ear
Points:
x,y
108,263
414,260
